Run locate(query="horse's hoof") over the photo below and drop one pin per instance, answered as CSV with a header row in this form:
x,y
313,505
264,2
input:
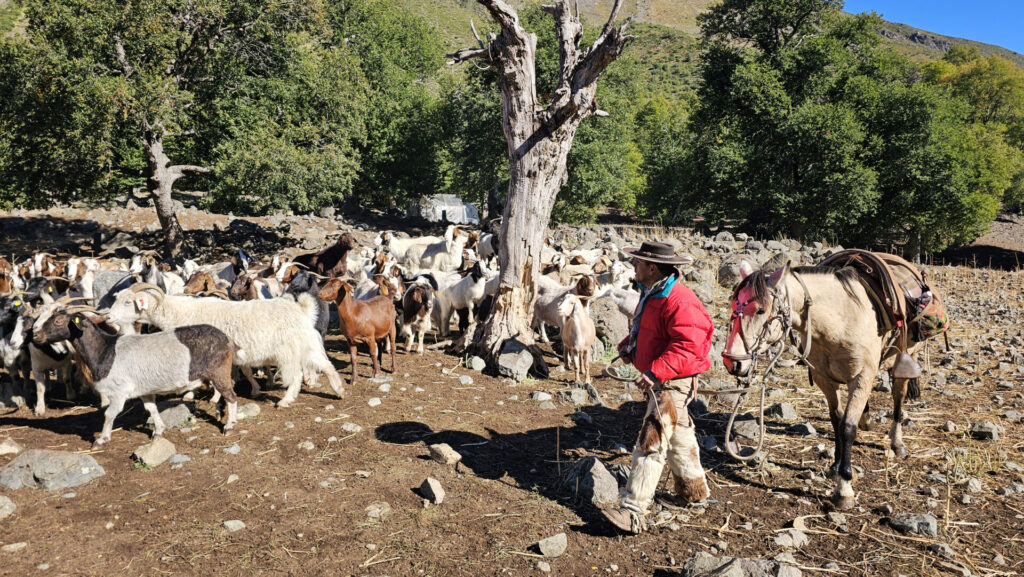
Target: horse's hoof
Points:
x,y
843,503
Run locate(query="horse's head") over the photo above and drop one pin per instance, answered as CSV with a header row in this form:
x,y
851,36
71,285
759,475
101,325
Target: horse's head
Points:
x,y
757,320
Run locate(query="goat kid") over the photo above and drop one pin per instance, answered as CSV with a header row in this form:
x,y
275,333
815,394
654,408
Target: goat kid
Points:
x,y
362,321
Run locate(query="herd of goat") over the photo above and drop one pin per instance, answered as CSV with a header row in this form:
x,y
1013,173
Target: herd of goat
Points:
x,y
139,328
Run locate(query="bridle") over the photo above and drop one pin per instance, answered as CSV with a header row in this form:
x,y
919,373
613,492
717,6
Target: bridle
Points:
x,y
781,312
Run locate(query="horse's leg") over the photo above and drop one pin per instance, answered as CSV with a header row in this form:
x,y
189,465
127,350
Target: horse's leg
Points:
x,y
859,391
830,389
899,392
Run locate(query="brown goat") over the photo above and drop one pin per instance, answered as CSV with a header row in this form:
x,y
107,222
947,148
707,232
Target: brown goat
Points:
x,y
362,321
203,284
6,280
332,261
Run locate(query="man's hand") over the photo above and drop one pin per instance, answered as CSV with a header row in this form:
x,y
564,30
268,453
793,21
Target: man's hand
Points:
x,y
643,382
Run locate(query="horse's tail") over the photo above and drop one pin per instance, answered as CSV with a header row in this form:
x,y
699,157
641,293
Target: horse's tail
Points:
x,y
913,389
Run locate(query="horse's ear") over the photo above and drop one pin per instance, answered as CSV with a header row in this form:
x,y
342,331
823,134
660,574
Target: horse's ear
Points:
x,y
779,273
745,269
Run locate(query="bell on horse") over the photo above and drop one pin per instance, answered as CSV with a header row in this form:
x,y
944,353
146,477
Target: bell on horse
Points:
x,y
906,367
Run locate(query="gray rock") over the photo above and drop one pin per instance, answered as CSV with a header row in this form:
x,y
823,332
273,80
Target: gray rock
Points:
x,y
154,453
351,427
577,396
540,396
233,525
175,416
249,411
784,411
705,565
378,511
233,449
729,274
596,351
590,480
972,485
179,459
373,401
49,470
465,380
725,237
14,547
7,507
10,447
306,445
791,539
514,361
444,454
327,212
547,406
553,546
747,428
949,427
477,363
432,491
942,550
774,245
986,431
803,429
543,566
610,324
922,524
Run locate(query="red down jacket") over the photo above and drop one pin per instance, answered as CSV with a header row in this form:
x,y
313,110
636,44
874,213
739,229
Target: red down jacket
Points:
x,y
675,335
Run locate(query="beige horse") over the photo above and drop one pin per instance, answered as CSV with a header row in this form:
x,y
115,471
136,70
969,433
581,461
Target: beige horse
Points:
x,y
848,346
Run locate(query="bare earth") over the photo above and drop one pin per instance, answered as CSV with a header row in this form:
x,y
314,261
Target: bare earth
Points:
x,y
305,511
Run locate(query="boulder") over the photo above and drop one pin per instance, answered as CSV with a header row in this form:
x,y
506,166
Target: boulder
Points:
x,y
432,491
704,564
514,360
590,480
49,470
155,453
553,546
986,431
444,454
784,411
924,524
729,273
175,416
10,447
611,325
7,507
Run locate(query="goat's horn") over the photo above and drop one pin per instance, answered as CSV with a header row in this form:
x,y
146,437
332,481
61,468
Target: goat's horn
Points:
x,y
141,286
319,276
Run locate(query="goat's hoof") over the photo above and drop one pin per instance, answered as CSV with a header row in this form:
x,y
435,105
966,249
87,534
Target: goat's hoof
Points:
x,y
98,443
39,412
900,451
283,404
843,502
228,430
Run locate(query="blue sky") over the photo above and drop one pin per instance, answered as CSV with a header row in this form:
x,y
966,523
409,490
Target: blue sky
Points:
x,y
999,22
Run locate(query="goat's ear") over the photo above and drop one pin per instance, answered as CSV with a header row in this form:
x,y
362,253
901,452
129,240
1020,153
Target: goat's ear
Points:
x,y
745,269
778,275
142,301
449,235
417,296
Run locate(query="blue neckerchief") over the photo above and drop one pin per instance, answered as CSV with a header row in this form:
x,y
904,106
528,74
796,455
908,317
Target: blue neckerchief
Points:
x,y
659,290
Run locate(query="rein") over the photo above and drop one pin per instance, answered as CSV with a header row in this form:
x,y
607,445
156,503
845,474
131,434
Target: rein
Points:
x,y
781,313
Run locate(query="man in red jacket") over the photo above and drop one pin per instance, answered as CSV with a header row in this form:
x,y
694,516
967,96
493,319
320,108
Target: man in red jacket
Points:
x,y
669,344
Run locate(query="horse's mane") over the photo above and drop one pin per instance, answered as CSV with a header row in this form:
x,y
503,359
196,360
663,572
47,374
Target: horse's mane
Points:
x,y
758,280
847,275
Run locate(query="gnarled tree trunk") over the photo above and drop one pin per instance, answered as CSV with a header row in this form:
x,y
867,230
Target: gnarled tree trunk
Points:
x,y
160,184
539,138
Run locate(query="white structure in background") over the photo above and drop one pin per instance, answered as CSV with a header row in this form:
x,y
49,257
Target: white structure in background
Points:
x,y
444,208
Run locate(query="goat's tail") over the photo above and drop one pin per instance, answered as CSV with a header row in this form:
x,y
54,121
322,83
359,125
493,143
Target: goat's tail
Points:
x,y
310,306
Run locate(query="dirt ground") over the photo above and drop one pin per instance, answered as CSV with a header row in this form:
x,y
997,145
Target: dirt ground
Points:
x,y
305,511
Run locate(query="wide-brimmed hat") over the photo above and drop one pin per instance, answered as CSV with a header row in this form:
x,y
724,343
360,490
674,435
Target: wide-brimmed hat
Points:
x,y
658,252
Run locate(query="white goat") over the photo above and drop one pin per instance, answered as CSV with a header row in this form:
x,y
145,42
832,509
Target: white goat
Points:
x,y
444,255
463,294
578,334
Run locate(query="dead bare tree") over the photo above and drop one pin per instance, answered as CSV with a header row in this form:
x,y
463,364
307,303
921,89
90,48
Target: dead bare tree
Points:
x,y
539,138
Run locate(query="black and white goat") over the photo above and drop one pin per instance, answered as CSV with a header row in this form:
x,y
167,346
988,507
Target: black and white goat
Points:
x,y
144,366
